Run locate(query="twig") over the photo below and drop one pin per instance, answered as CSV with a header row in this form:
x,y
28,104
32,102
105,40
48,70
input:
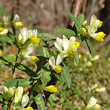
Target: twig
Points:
x,y
76,8
84,6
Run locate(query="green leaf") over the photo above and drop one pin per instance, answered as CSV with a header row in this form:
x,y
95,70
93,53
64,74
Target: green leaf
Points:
x,y
13,15
40,64
76,58
77,24
66,75
81,38
4,62
67,105
46,36
3,11
40,102
65,31
4,38
26,43
1,98
26,69
17,82
89,46
45,77
11,36
45,52
58,77
9,57
81,19
5,107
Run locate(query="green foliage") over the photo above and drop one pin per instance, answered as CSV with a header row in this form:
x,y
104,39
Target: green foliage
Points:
x,y
76,58
67,105
46,36
39,101
42,72
45,77
1,98
9,57
89,46
45,52
77,24
65,31
66,75
3,11
26,69
17,82
4,38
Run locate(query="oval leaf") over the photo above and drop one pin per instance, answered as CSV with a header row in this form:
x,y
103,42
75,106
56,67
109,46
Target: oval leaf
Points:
x,y
40,102
45,52
45,77
66,75
9,57
4,38
65,31
17,82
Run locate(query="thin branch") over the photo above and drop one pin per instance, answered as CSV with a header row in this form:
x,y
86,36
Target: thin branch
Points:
x,y
84,6
76,8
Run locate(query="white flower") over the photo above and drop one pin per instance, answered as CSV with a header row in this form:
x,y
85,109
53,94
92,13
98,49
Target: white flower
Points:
x,y
55,65
26,34
8,93
6,20
25,100
25,53
16,21
18,94
66,47
92,28
92,104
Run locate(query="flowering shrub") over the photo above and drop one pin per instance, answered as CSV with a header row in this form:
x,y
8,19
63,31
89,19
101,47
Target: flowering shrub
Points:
x,y
18,92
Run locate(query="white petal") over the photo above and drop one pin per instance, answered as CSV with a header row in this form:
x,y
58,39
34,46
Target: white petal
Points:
x,y
72,40
92,102
25,100
58,46
59,41
59,59
93,18
28,50
35,32
52,61
16,18
24,32
66,43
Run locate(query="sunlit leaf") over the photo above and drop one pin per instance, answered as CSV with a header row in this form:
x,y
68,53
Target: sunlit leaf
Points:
x,y
40,102
66,75
65,31
17,82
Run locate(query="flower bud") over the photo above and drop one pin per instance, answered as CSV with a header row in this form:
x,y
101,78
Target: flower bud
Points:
x,y
94,87
100,89
8,93
50,88
18,94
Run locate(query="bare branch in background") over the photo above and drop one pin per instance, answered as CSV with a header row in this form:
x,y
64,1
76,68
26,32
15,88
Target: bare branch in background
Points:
x,y
76,8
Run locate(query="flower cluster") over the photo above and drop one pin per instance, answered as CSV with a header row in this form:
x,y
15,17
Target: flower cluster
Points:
x,y
66,47
17,94
90,30
92,104
28,40
7,21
